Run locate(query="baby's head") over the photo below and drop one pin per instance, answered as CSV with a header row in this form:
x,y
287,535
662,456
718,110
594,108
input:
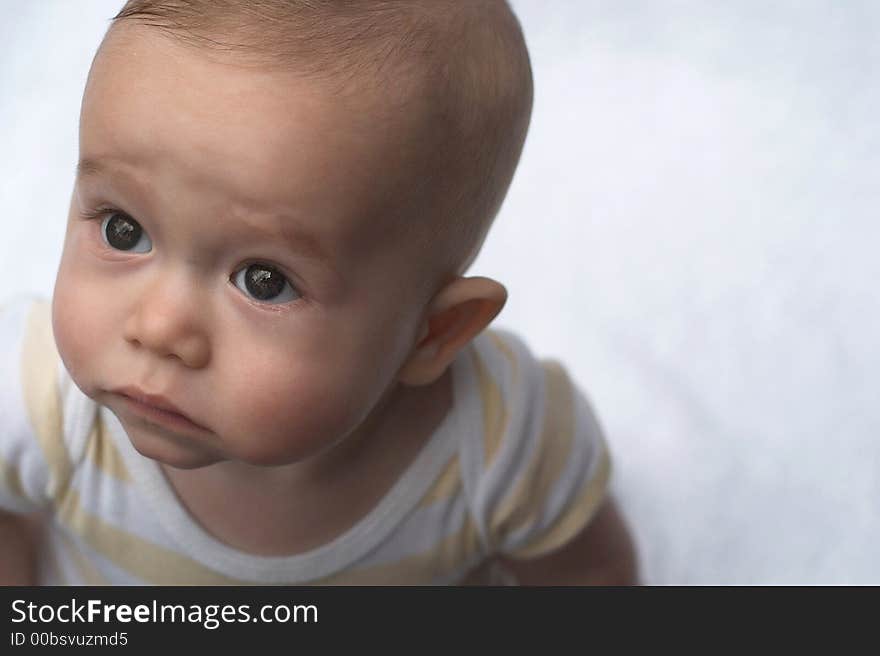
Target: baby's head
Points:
x,y
274,205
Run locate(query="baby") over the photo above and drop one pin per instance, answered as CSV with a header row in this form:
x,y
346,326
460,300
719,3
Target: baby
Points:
x,y
262,363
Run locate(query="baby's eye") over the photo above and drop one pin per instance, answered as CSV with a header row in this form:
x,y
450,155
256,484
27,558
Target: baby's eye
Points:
x,y
264,283
123,233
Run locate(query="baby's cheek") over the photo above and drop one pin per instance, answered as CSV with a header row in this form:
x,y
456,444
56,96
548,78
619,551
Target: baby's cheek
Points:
x,y
292,414
75,335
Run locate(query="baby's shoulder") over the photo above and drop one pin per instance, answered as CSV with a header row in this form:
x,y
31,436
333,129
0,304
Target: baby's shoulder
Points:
x,y
524,405
44,414
506,367
537,455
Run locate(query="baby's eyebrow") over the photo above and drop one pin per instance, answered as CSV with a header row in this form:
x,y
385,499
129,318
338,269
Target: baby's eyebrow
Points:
x,y
88,167
299,240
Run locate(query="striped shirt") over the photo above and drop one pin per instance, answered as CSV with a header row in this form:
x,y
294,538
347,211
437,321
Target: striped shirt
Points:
x,y
517,467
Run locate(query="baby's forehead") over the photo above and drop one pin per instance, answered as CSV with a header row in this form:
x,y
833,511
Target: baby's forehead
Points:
x,y
366,102
150,93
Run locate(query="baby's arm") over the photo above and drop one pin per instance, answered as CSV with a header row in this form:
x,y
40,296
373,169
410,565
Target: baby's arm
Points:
x,y
19,537
602,554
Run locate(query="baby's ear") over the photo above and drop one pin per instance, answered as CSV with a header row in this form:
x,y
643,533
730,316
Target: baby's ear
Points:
x,y
457,314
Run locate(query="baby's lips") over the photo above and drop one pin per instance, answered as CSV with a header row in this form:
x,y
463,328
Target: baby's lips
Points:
x,y
156,401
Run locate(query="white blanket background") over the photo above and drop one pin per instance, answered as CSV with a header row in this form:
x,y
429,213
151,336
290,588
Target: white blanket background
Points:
x,y
689,230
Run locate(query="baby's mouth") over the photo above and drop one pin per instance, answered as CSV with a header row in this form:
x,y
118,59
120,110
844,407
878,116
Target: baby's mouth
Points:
x,y
156,409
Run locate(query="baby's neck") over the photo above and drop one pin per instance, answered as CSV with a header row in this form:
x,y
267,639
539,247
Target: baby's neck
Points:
x,y
306,504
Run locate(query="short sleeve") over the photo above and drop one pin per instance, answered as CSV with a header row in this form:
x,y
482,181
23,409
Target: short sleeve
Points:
x,y
548,468
32,454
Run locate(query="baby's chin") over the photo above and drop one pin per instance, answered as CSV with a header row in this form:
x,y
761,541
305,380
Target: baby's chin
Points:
x,y
172,452
185,464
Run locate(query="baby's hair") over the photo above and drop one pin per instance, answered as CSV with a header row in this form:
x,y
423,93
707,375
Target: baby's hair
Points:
x,y
464,62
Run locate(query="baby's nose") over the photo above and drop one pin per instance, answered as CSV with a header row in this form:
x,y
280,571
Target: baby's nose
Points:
x,y
168,322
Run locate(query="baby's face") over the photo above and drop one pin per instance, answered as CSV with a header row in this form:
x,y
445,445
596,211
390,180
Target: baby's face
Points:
x,y
225,250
